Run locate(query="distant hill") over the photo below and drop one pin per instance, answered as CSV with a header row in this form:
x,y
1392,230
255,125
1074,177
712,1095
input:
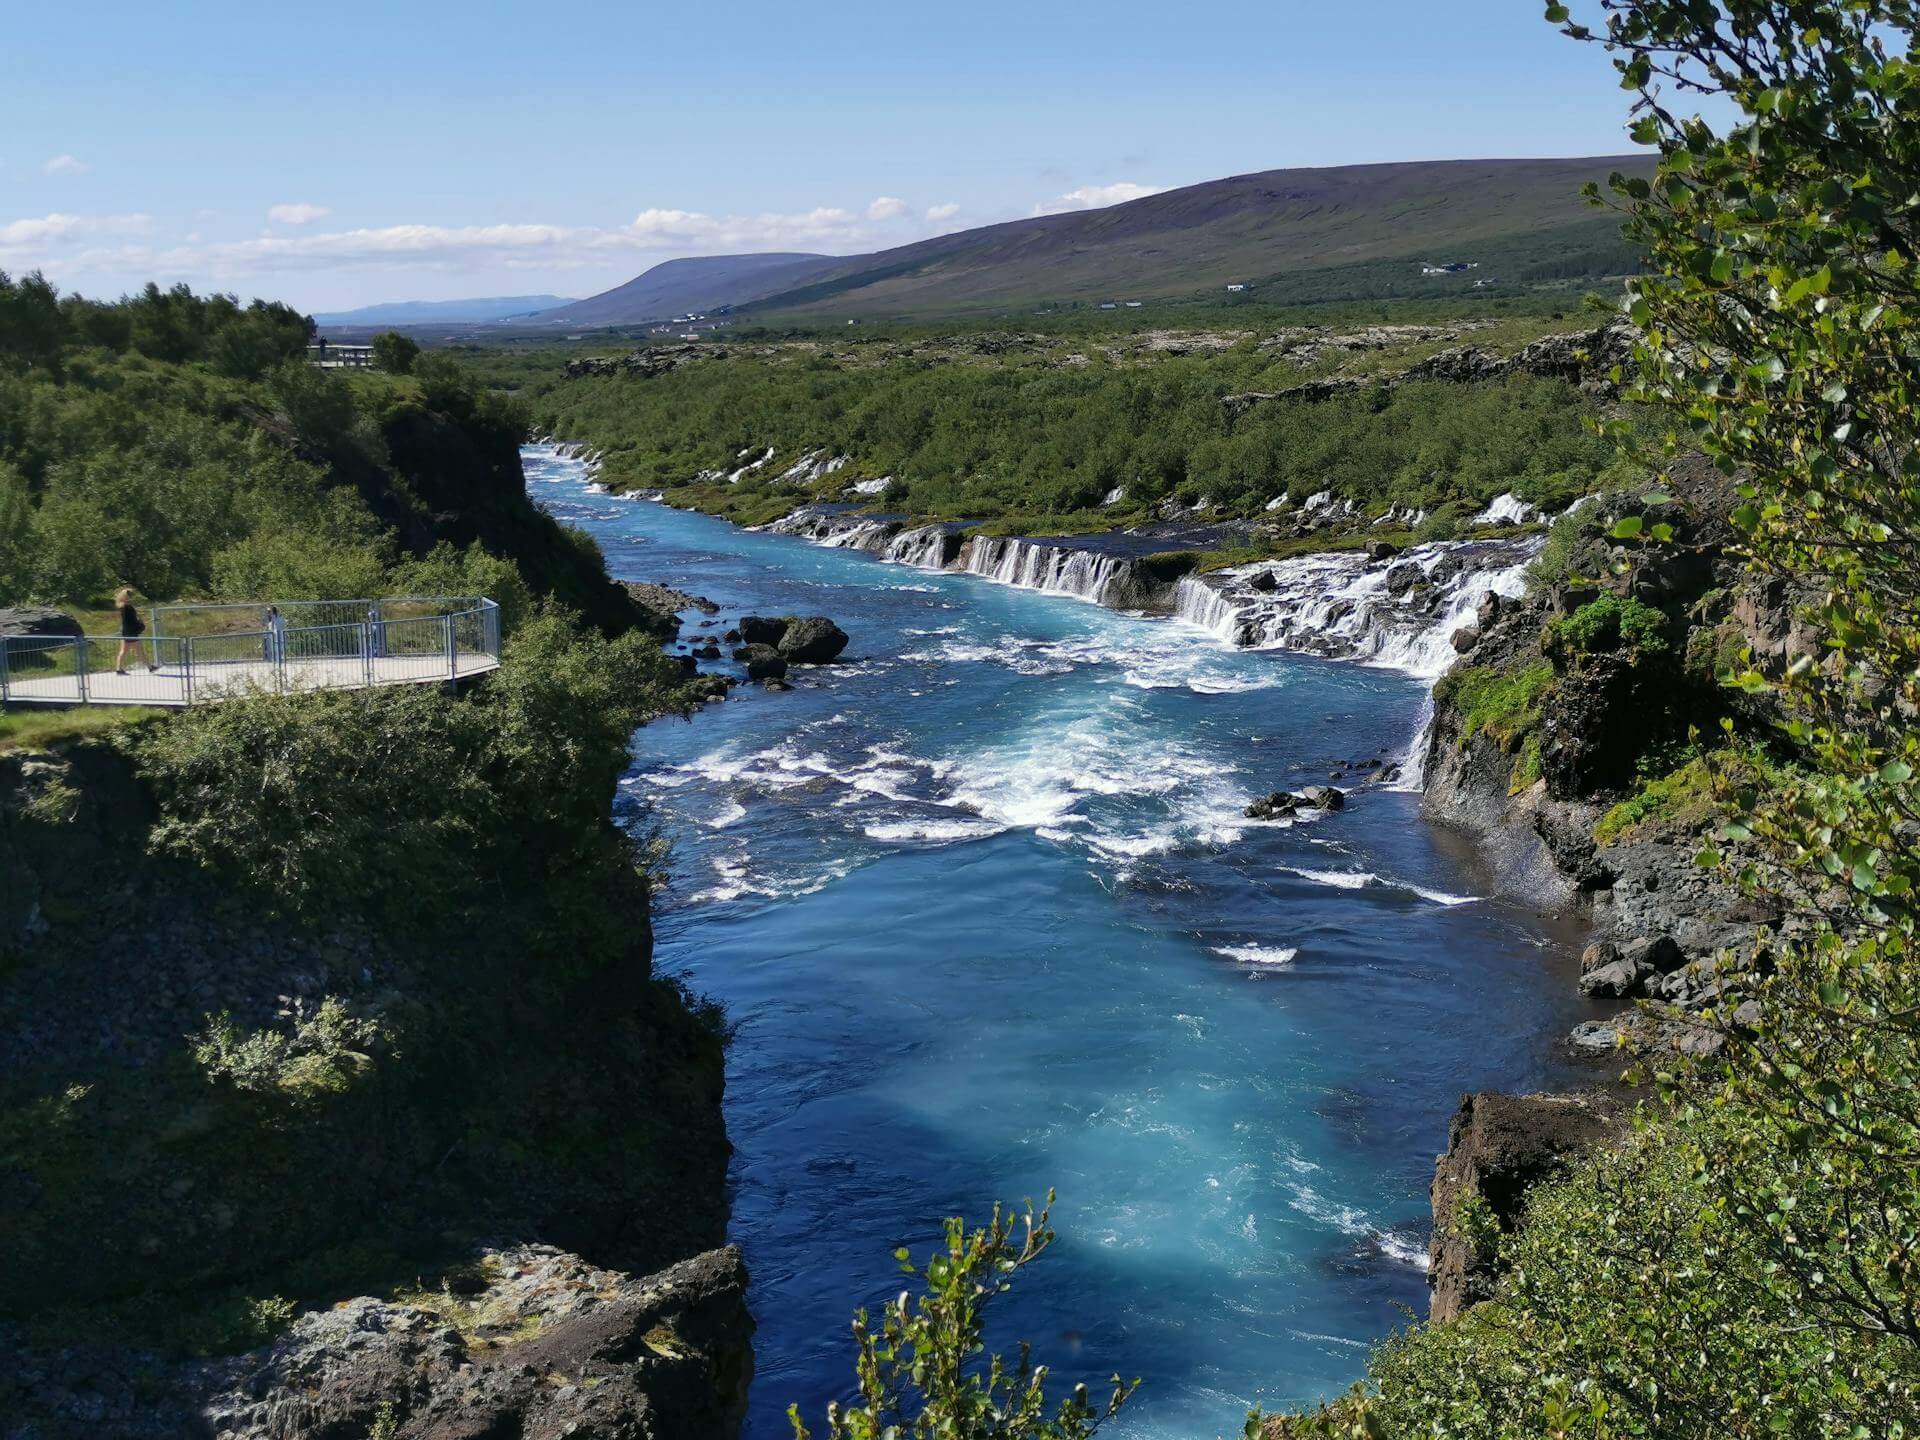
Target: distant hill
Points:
x,y
1348,232
443,312
679,287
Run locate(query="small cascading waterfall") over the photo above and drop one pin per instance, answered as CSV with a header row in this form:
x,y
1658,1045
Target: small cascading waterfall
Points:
x,y
1400,613
1103,579
926,547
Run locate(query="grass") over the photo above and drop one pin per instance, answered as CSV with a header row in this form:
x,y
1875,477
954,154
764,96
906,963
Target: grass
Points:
x,y
1503,705
44,729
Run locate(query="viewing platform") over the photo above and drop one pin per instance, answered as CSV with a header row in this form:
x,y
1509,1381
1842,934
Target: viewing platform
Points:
x,y
203,653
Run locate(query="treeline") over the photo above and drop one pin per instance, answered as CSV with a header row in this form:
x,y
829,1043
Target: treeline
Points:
x,y
181,444
1045,439
38,326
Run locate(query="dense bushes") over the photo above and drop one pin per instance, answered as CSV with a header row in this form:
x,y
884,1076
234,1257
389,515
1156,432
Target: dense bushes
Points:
x,y
1745,1264
1012,436
400,798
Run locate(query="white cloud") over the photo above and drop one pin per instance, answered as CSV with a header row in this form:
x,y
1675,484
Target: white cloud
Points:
x,y
1093,197
57,231
66,165
943,212
887,207
297,213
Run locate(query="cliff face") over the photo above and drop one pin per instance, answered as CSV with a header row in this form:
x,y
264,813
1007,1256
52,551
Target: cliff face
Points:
x,y
1573,739
213,1116
528,1341
464,483
1498,1148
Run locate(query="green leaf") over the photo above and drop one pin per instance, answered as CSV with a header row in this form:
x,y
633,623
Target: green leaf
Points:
x,y
1626,527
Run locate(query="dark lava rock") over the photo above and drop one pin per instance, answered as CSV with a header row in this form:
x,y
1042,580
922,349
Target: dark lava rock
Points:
x,y
1499,1148
1488,610
1403,577
732,637
566,1349
1263,580
1594,1037
812,640
763,662
1277,806
19,620
1323,797
774,682
762,629
1382,550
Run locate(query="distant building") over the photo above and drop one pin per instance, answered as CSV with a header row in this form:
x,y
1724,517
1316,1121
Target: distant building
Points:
x,y
1235,289
1108,305
1452,267
331,355
1133,304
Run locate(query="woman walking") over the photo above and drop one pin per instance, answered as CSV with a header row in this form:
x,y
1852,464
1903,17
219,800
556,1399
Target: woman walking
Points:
x,y
132,627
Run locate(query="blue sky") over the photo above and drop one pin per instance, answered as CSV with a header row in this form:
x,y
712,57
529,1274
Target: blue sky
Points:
x,y
339,154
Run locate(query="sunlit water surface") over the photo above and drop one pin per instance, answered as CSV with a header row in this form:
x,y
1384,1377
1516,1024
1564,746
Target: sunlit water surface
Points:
x,y
984,909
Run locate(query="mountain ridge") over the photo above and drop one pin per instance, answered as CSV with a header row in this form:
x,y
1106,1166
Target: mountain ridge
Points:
x,y
1527,215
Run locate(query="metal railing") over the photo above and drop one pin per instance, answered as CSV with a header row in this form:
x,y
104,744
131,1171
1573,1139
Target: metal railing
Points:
x,y
197,653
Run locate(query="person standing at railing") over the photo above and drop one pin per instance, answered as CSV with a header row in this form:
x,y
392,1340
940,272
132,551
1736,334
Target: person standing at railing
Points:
x,y
276,635
132,627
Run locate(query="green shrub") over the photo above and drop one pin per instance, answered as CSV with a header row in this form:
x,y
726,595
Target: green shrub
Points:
x,y
1608,624
319,1054
923,1371
1504,705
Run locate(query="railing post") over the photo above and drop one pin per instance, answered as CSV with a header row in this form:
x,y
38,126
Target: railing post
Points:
x,y
80,668
453,665
366,653
186,671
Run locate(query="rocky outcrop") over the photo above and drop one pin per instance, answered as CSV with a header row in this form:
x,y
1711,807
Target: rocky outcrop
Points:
x,y
763,662
664,605
797,639
1586,359
1499,1147
530,1342
643,364
19,621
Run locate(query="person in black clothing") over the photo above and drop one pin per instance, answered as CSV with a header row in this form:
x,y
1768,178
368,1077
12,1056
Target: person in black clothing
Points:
x,y
132,627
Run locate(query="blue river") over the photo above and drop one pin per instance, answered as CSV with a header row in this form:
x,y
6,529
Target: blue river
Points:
x,y
982,905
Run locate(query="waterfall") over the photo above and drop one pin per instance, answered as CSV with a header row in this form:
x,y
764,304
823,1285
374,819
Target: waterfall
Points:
x,y
1104,579
1400,613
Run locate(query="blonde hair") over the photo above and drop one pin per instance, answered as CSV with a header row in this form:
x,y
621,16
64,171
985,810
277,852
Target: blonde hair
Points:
x,y
123,596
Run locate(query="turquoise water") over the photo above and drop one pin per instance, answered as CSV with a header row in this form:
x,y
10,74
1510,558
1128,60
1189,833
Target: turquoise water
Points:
x,y
984,910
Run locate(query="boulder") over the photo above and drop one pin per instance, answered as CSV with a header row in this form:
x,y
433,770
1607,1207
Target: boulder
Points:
x,y
1323,797
1403,577
762,629
1594,1037
1263,580
732,636
1654,954
812,640
763,662
1382,550
1277,806
1465,638
1615,980
1488,610
21,620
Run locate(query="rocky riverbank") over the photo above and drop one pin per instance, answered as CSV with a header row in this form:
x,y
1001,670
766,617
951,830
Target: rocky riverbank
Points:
x,y
528,1341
